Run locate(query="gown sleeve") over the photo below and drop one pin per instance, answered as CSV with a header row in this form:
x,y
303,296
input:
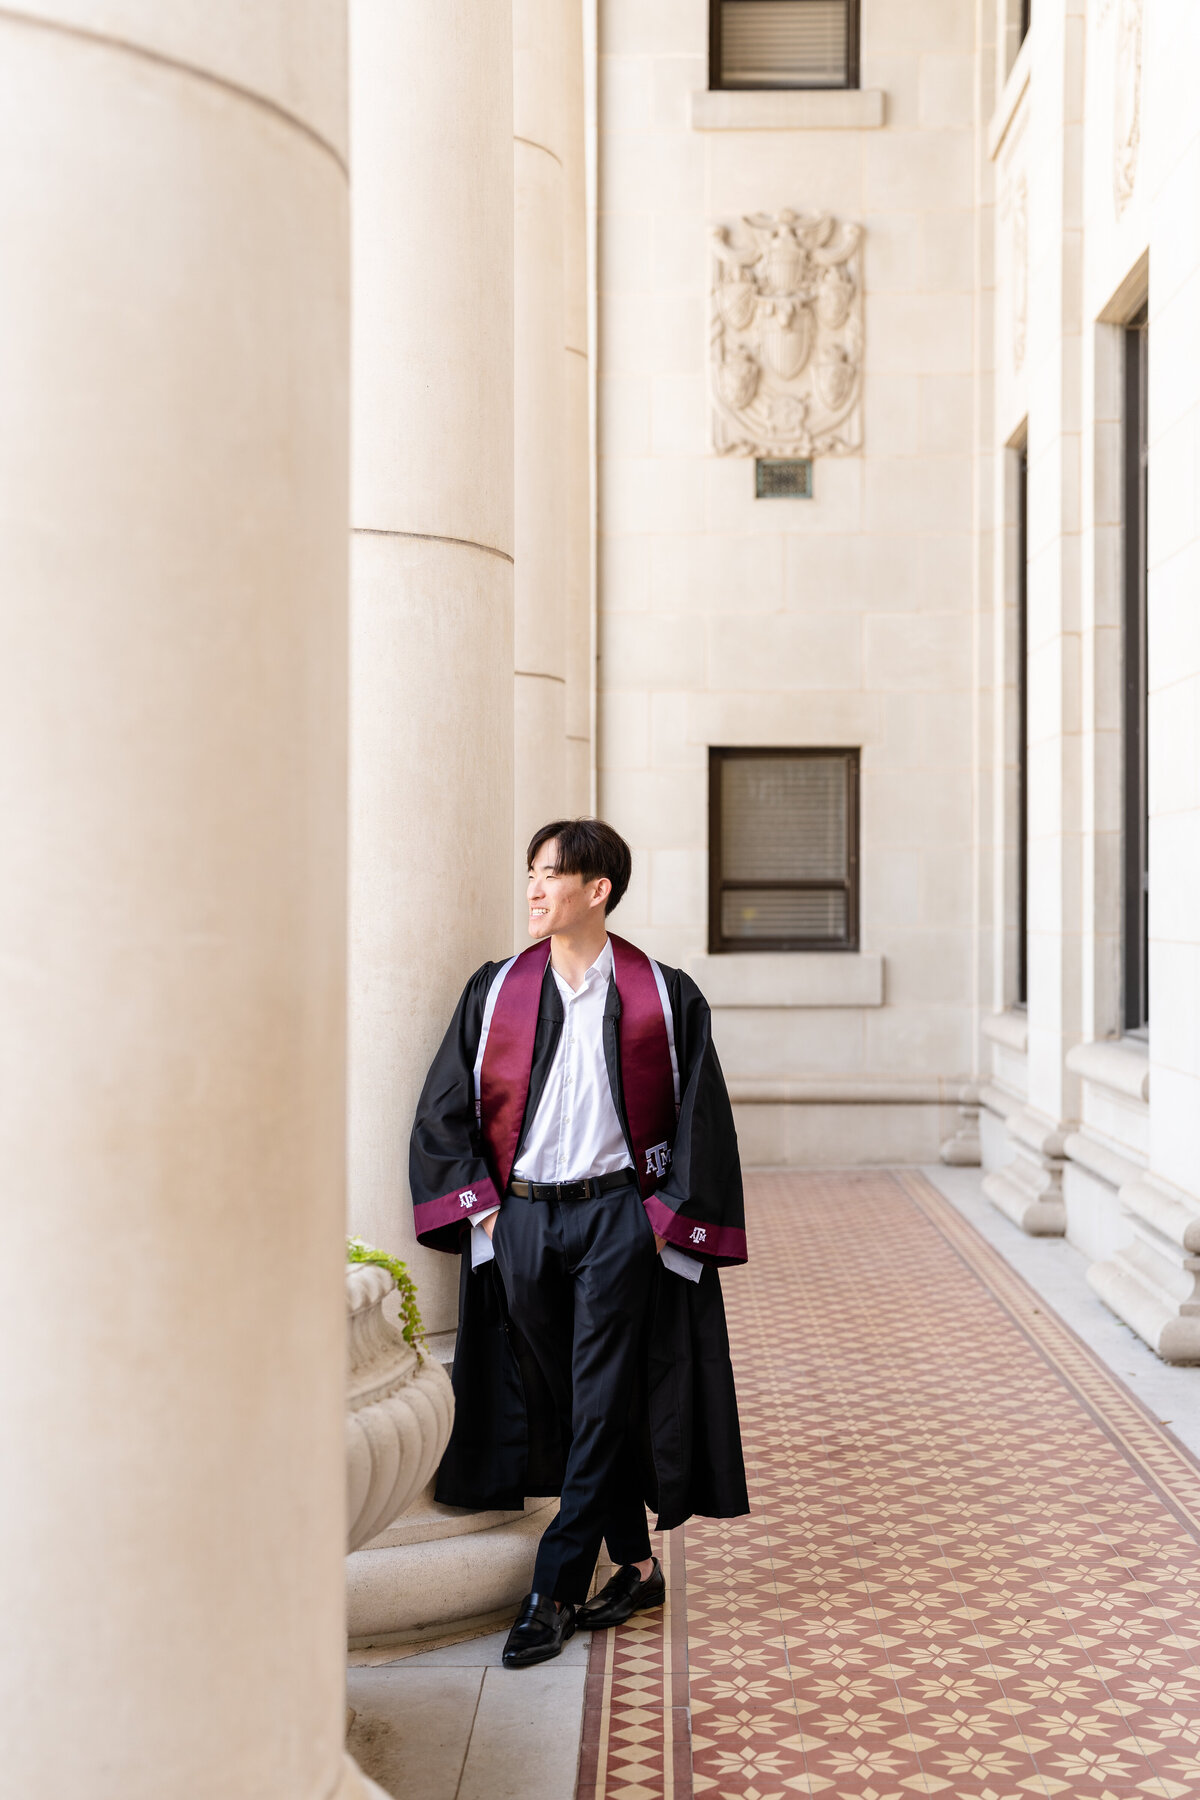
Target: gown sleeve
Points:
x,y
698,1205
447,1169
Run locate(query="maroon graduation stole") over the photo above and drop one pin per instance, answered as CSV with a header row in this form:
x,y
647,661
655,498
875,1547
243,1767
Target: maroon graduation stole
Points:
x,y
646,1079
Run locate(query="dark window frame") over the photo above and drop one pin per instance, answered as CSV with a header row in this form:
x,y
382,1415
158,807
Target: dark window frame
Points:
x,y
1021,673
1135,858
718,944
717,85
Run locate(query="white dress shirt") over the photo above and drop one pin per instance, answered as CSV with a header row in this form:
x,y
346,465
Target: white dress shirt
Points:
x,y
575,1131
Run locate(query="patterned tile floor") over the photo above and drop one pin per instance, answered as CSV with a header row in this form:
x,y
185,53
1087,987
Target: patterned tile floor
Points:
x,y
972,1565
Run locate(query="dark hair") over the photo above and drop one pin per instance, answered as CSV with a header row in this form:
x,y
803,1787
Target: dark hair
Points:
x,y
588,848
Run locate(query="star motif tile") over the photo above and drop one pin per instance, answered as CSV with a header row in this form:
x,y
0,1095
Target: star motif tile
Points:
x,y
972,1562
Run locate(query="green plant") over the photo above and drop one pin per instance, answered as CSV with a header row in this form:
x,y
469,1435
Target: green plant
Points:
x,y
411,1327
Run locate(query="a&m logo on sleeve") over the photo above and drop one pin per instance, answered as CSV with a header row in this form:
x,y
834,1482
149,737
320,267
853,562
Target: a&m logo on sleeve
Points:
x,y
467,1197
698,1234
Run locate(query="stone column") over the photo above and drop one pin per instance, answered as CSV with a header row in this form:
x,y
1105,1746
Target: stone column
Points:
x,y
432,568
431,669
173,323
1029,1188
578,584
539,453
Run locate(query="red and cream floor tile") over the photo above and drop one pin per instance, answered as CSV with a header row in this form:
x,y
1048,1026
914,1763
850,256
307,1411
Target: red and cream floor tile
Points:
x,y
972,1564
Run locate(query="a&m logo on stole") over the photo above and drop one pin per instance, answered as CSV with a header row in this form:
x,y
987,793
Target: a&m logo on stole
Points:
x,y
658,1159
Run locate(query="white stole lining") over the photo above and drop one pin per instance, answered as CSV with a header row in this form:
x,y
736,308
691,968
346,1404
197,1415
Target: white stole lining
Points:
x,y
664,1000
489,1007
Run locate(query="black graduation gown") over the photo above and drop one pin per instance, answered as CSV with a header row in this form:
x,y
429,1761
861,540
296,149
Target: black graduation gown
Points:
x,y
508,1443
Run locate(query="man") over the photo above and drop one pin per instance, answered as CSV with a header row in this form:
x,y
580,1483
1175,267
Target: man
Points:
x,y
574,1140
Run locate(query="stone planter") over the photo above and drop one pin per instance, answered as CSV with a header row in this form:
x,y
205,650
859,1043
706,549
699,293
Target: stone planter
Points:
x,y
399,1409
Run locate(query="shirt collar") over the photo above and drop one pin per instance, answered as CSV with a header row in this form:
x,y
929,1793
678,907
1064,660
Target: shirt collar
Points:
x,y
601,970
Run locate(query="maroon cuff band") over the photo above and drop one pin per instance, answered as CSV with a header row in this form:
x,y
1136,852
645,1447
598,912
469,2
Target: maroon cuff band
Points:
x,y
726,1242
460,1203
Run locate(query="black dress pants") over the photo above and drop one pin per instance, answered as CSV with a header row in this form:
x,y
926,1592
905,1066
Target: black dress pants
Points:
x,y
577,1280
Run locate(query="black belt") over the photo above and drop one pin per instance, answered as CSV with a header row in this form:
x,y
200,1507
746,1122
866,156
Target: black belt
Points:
x,y
572,1190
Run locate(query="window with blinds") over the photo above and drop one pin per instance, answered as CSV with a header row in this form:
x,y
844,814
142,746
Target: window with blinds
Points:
x,y
783,850
783,43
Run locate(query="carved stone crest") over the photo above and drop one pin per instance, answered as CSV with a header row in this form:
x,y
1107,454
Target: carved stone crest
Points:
x,y
786,336
1127,112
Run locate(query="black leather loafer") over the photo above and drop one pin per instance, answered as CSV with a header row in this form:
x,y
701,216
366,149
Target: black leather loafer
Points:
x,y
540,1632
623,1594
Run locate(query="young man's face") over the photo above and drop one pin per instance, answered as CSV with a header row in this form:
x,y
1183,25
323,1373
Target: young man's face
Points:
x,y
561,903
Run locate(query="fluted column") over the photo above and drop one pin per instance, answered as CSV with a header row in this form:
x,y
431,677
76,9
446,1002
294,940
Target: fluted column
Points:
x,y
173,324
431,685
539,456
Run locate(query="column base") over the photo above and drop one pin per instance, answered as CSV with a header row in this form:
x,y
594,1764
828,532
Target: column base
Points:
x,y
1093,1178
1028,1190
1154,1282
996,1107
439,1571
963,1150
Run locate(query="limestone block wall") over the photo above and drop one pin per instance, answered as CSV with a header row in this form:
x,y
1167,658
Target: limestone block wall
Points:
x,y
842,620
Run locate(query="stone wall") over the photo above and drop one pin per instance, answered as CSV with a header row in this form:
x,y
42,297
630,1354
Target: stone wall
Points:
x,y
1091,1129
841,620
